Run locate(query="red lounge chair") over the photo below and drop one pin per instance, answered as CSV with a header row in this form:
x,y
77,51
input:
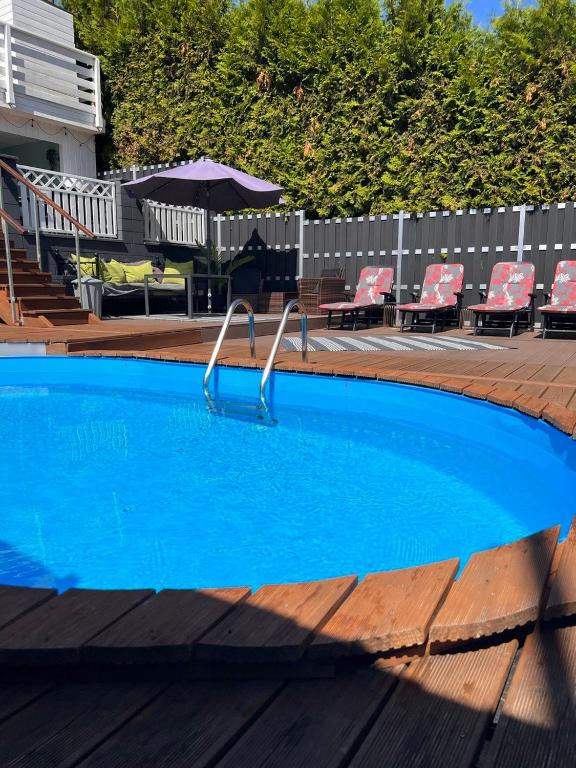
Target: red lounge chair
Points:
x,y
374,287
559,312
510,295
441,297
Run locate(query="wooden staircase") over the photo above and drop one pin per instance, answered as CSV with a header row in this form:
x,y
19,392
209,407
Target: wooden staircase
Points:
x,y
40,303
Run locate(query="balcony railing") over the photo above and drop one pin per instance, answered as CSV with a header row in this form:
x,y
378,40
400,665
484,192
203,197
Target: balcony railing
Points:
x,y
173,224
46,79
91,201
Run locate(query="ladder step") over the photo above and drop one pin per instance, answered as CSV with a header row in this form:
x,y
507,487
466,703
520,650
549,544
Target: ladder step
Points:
x,y
241,411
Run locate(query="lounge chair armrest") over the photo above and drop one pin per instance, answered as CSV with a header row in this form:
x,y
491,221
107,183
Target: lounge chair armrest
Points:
x,y
483,296
349,295
547,297
389,297
415,295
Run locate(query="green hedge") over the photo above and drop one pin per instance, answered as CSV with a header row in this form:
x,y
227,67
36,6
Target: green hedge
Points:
x,y
351,105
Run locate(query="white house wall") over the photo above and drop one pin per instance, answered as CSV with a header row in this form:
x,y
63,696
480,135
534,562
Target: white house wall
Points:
x,y
39,18
76,147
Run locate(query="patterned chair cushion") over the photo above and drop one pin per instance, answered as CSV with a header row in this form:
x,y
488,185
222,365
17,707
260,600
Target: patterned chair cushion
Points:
x,y
441,284
511,284
373,282
563,295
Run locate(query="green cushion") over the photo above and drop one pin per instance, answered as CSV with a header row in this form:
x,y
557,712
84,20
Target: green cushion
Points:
x,y
88,265
177,268
113,271
135,272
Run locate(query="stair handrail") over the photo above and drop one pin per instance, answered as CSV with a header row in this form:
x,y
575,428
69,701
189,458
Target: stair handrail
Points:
x,y
7,220
39,195
5,216
299,306
223,331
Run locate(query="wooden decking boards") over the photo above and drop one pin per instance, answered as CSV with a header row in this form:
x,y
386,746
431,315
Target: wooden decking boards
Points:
x,y
435,711
438,715
164,628
16,601
189,726
276,622
386,611
536,728
69,721
499,589
56,630
562,598
316,723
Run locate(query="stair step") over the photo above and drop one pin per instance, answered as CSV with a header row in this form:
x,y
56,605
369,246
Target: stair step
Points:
x,y
19,263
75,316
35,289
39,303
23,276
15,253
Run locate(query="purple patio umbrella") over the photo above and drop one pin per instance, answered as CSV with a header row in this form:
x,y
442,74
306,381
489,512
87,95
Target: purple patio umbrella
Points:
x,y
209,185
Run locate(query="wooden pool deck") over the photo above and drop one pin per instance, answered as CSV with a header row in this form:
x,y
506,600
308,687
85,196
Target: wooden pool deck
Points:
x,y
428,667
402,668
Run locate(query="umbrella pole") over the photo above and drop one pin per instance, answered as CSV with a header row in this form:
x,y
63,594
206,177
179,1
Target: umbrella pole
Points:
x,y
209,249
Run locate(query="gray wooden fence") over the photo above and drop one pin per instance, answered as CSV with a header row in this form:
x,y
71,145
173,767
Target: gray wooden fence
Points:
x,y
291,245
286,245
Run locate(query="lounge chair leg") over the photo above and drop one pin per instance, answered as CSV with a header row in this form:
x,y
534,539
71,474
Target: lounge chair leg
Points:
x,y
434,323
354,318
329,319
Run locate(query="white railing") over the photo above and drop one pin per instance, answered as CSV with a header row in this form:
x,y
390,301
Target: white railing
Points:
x,y
173,224
91,201
47,79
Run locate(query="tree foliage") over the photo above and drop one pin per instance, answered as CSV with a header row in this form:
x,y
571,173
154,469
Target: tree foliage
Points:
x,y
351,105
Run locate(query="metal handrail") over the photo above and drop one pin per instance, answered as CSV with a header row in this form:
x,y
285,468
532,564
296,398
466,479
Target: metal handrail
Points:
x,y
8,220
293,304
228,319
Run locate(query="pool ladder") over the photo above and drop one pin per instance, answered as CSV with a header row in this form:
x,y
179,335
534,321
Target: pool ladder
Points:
x,y
260,409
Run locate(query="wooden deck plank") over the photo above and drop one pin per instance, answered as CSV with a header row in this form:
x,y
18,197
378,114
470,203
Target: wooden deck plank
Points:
x,y
314,723
386,611
16,696
54,632
536,727
499,589
190,725
438,714
164,628
275,623
562,599
67,723
16,601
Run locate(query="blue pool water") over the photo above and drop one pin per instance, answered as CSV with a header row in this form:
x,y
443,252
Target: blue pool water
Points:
x,y
113,474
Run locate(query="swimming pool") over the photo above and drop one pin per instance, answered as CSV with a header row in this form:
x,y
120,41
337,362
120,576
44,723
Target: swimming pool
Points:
x,y
114,475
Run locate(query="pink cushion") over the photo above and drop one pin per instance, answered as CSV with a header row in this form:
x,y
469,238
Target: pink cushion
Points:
x,y
564,288
441,284
510,287
345,305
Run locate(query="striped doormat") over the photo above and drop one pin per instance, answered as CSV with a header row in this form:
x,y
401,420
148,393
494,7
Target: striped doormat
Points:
x,y
400,343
